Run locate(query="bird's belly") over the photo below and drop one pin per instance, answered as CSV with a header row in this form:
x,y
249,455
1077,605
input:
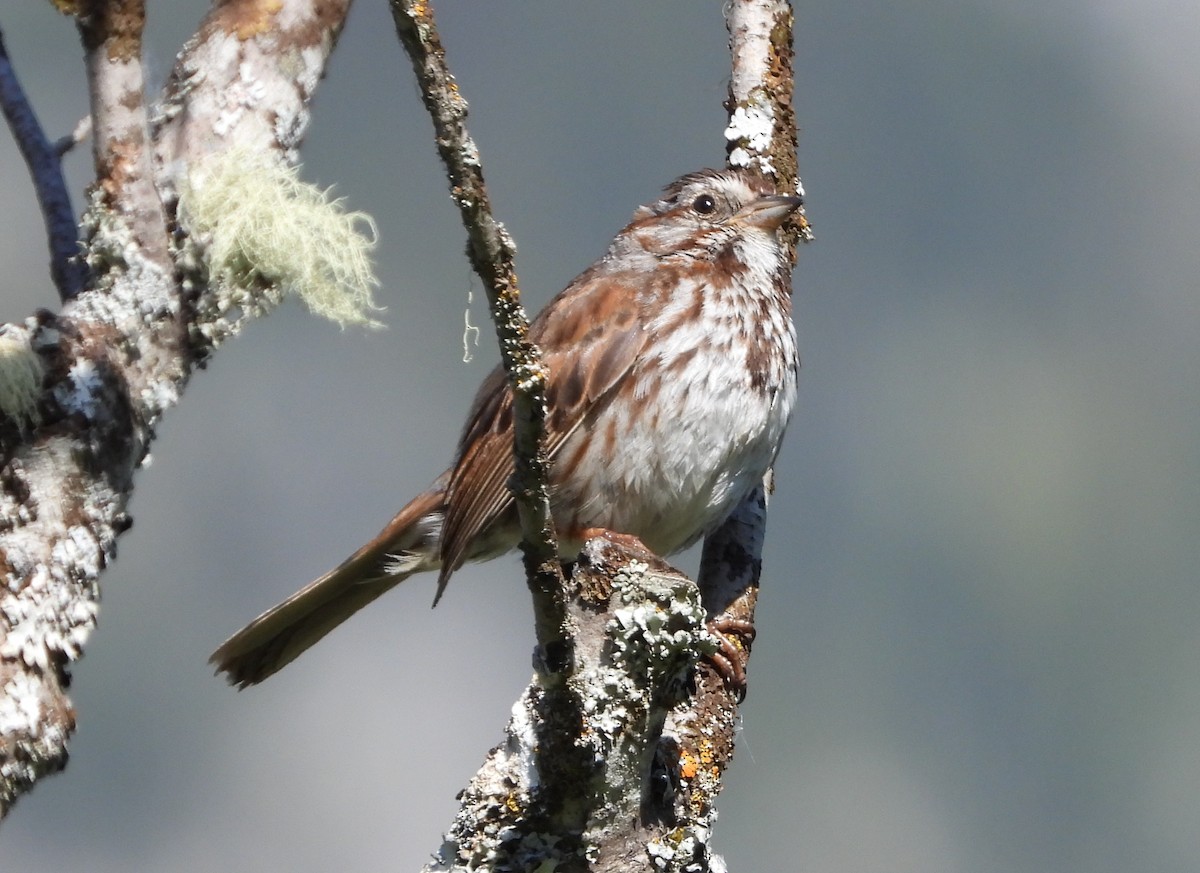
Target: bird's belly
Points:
x,y
671,468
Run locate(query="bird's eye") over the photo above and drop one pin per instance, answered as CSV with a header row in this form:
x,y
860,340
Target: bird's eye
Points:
x,y
704,204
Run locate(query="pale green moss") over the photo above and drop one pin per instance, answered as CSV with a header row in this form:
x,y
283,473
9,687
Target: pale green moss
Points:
x,y
264,227
21,372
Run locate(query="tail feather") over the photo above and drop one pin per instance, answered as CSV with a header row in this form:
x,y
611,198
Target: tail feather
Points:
x,y
285,631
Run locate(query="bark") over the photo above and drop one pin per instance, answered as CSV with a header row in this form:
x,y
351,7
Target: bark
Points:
x,y
82,390
609,794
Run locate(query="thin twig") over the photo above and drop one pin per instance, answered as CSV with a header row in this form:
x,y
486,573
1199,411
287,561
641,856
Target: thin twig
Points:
x,y
82,131
491,252
66,268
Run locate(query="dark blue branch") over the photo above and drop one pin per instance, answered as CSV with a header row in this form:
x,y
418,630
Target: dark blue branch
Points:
x,y
45,167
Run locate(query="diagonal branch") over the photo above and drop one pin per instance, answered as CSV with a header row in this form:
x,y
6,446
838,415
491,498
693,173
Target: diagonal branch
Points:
x,y
45,167
491,251
104,370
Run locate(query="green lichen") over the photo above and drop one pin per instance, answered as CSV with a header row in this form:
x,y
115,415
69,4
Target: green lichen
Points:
x,y
264,230
21,372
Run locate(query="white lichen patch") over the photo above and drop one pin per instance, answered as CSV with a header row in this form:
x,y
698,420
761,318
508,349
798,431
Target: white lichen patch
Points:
x,y
263,229
662,619
21,373
243,94
80,396
656,630
470,153
54,553
523,735
752,125
20,705
33,734
685,850
45,618
134,295
80,550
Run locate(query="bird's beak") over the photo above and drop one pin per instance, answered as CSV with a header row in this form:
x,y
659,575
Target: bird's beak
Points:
x,y
769,212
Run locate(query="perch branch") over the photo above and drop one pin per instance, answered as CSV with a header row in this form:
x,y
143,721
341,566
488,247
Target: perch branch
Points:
x,y
45,168
491,252
639,629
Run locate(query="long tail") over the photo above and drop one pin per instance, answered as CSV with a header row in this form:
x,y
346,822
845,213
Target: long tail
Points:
x,y
285,631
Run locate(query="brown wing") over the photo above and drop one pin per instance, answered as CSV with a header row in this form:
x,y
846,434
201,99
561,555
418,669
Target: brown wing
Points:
x,y
590,336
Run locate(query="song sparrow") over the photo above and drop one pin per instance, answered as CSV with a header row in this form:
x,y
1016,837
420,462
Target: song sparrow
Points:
x,y
672,365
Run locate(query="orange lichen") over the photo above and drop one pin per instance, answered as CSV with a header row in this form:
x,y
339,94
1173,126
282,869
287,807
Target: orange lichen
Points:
x,y
688,766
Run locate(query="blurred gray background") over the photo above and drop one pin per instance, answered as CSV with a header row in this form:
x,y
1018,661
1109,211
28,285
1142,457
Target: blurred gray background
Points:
x,y
978,646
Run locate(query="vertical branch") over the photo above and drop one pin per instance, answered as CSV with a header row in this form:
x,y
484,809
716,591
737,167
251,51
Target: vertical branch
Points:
x,y
112,39
244,82
491,251
45,167
761,135
554,705
762,130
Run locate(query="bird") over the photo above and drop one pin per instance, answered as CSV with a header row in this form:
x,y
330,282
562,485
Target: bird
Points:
x,y
672,374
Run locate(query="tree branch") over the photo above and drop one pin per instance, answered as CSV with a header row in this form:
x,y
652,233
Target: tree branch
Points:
x,y
112,39
97,377
639,628
45,168
244,82
491,252
761,135
762,131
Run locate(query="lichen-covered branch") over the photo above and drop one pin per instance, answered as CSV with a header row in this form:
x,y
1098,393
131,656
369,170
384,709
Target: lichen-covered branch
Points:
x,y
82,390
45,168
244,81
491,251
761,134
639,630
762,131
